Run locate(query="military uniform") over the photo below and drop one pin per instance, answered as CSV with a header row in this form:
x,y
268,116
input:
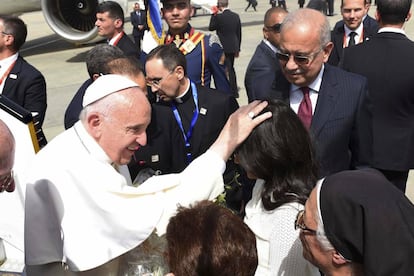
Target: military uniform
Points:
x,y
204,55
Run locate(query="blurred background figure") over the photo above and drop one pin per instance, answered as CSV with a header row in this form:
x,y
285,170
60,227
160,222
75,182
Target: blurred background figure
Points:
x,y
139,24
227,25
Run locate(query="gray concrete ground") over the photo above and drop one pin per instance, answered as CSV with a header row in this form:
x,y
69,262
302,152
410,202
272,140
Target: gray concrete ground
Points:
x,y
63,66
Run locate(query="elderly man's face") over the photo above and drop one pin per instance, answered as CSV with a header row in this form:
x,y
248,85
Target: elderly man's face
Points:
x,y
312,249
302,41
122,131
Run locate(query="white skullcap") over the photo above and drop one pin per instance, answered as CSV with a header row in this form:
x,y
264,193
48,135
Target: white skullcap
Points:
x,y
105,85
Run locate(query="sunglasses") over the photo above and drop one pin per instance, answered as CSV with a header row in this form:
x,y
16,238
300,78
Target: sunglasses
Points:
x,y
275,28
299,59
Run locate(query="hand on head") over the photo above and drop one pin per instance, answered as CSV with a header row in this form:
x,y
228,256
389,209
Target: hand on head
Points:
x,y
238,127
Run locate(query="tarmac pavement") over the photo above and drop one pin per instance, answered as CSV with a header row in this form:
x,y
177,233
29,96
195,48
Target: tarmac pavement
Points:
x,y
63,63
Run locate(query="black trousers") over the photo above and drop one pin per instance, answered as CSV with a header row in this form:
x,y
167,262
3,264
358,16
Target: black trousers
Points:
x,y
229,62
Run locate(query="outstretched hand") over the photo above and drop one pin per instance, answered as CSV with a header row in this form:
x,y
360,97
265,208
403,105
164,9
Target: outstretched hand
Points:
x,y
238,127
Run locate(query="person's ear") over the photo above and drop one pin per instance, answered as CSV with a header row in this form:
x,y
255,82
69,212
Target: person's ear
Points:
x,y
94,123
179,72
327,51
118,23
338,259
377,16
408,16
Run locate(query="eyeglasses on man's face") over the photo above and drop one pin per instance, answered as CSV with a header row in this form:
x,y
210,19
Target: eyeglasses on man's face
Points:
x,y
300,223
275,28
156,82
299,59
6,181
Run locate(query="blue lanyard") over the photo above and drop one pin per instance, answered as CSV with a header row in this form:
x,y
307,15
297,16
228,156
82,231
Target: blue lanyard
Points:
x,y
187,136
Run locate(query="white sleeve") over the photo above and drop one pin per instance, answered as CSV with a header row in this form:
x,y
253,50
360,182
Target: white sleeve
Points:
x,y
202,179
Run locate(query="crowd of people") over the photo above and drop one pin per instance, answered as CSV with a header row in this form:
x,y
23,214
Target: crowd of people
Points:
x,y
320,155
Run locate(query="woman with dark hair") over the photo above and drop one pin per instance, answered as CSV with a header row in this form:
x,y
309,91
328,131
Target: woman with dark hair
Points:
x,y
278,153
208,239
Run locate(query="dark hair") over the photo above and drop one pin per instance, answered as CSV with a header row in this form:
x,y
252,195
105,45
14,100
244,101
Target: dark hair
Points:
x,y
272,11
128,66
15,26
393,11
170,55
280,152
208,239
114,10
99,56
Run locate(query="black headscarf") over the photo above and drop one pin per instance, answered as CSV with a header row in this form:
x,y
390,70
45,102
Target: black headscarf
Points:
x,y
369,221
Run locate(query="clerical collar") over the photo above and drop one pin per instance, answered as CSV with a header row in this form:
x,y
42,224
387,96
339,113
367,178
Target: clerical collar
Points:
x,y
185,96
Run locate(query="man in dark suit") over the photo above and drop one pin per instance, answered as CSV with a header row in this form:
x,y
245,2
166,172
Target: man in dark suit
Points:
x,y
228,27
110,23
355,27
264,66
139,24
386,60
332,103
20,81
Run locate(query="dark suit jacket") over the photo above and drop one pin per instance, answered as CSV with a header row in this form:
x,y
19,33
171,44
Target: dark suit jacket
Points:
x,y
370,27
387,60
165,150
128,47
26,86
75,106
135,21
261,73
228,28
341,123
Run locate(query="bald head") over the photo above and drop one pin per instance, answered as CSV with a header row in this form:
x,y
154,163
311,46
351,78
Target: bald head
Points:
x,y
7,146
309,20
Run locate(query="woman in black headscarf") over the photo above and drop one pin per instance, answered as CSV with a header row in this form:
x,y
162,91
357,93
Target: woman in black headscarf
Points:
x,y
357,221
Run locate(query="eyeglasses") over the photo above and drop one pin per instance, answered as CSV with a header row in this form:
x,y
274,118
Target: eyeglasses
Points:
x,y
275,28
179,6
299,59
300,224
6,181
157,81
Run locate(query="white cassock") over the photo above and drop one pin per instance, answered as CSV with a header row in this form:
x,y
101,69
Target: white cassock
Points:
x,y
80,210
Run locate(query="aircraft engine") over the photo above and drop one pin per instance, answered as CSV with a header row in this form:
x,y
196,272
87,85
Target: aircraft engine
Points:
x,y
73,20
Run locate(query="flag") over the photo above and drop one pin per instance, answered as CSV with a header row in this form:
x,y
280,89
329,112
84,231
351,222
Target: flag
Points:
x,y
155,35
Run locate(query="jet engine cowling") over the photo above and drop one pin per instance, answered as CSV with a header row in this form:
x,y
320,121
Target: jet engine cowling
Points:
x,y
73,20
